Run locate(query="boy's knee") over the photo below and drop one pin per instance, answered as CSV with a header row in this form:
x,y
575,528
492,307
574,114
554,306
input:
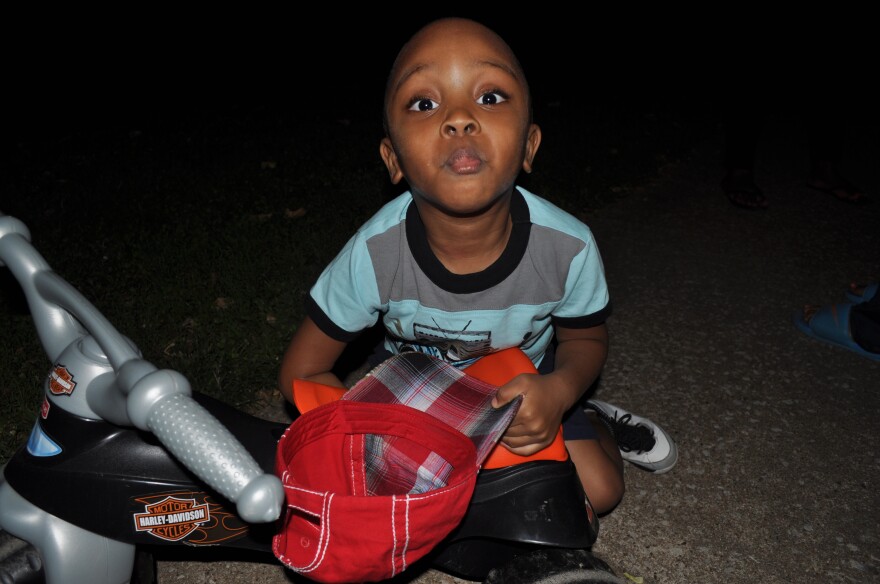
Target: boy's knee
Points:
x,y
605,492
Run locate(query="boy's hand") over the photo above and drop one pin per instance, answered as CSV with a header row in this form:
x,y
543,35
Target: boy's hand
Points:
x,y
580,354
540,414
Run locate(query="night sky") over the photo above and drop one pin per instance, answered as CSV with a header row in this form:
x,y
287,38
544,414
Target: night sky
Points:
x,y
83,72
132,71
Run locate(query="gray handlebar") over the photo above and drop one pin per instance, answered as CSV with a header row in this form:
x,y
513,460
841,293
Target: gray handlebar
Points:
x,y
206,447
157,400
160,402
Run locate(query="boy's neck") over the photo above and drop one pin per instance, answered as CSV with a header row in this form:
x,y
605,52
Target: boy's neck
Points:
x,y
467,245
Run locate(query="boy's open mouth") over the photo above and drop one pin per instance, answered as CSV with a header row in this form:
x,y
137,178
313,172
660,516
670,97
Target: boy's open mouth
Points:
x,y
464,161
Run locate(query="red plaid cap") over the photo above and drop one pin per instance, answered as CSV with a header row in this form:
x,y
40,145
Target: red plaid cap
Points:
x,y
399,453
343,525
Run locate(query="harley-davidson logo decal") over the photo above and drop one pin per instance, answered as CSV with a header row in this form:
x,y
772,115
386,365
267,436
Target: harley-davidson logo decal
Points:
x,y
172,518
61,381
192,516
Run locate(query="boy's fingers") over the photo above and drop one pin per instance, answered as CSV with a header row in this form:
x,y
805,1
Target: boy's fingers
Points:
x,y
504,395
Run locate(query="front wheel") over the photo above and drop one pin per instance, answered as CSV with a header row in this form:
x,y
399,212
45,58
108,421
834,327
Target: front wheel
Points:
x,y
144,571
553,565
20,562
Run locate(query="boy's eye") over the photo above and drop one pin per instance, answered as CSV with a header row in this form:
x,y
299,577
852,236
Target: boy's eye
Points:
x,y
422,104
491,98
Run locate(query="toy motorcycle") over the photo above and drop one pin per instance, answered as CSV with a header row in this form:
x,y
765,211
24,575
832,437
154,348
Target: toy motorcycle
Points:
x,y
124,457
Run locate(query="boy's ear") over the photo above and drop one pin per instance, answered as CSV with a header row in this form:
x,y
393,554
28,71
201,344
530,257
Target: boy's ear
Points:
x,y
533,140
389,157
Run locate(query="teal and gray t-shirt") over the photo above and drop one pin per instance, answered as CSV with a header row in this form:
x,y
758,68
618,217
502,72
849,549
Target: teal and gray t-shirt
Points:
x,y
550,273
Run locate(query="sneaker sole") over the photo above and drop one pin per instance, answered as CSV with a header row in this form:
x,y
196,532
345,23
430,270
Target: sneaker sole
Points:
x,y
660,467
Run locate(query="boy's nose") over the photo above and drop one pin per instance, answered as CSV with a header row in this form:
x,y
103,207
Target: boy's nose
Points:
x,y
460,122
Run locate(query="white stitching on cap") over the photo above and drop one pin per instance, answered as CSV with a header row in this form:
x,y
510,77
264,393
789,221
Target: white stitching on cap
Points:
x,y
393,535
351,461
406,540
363,442
405,548
324,542
309,510
309,491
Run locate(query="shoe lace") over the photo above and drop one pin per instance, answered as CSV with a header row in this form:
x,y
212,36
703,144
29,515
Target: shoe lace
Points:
x,y
629,437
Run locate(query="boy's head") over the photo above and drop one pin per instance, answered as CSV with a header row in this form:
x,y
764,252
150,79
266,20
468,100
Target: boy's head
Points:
x,y
457,116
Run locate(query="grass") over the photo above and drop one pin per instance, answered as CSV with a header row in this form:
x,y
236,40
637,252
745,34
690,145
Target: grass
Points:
x,y
198,233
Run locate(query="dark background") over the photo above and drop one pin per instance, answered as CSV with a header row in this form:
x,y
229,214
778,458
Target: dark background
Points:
x,y
81,72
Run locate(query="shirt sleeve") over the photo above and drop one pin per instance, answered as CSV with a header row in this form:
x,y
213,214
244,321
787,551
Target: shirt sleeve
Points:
x,y
344,300
586,301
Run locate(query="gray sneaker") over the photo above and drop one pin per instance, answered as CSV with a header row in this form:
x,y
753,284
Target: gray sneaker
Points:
x,y
641,441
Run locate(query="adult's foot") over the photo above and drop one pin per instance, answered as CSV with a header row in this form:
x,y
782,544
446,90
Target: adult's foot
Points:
x,y
830,323
827,179
859,292
810,311
739,186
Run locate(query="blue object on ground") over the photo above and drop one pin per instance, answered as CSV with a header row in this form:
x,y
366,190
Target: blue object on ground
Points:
x,y
868,293
830,325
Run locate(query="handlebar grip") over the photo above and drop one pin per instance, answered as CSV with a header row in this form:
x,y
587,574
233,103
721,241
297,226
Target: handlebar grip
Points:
x,y
207,448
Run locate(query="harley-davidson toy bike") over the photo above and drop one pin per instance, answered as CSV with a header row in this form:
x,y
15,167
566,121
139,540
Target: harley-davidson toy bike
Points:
x,y
125,458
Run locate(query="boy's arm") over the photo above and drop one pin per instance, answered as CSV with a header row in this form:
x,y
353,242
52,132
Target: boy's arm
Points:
x,y
311,355
580,355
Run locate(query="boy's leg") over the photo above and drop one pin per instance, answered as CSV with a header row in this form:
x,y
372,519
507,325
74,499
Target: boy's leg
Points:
x,y
601,436
600,469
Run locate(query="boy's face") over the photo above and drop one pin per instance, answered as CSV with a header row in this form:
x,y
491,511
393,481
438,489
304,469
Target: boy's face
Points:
x,y
458,117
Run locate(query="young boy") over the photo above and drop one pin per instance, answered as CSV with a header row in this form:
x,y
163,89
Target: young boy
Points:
x,y
466,263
